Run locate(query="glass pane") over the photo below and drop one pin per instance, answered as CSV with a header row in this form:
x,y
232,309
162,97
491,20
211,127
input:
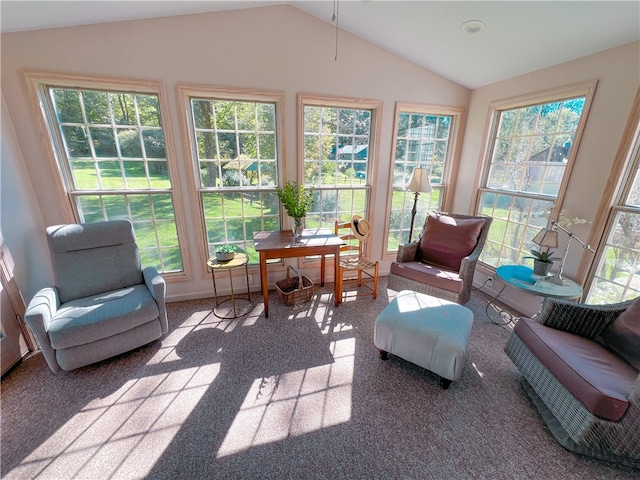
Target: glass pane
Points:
x,y
129,141
96,106
84,174
104,143
154,143
110,175
149,110
159,174
124,110
67,106
76,142
135,174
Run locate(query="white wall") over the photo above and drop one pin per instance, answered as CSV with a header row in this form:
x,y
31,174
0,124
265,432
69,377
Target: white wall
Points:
x,y
277,48
618,74
21,223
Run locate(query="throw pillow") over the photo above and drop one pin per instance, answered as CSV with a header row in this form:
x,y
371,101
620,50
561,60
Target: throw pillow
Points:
x,y
623,335
448,240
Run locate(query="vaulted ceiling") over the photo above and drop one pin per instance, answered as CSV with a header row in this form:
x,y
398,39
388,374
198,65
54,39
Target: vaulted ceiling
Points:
x,y
518,36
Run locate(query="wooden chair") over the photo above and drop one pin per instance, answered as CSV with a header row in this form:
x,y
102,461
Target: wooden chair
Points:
x,y
352,258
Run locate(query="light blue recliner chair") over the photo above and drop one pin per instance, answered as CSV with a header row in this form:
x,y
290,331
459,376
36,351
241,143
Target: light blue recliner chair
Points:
x,y
103,302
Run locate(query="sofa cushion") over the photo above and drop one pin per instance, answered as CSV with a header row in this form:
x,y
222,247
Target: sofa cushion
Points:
x,y
86,320
447,240
623,335
429,275
595,376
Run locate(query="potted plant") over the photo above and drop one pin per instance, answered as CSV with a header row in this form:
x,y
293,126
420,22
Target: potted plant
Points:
x,y
542,261
225,252
296,201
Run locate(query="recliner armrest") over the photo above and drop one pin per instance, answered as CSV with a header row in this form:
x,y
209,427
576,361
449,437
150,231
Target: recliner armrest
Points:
x,y
38,315
158,288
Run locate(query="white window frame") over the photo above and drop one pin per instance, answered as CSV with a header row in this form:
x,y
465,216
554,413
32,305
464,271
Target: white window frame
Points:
x,y
442,197
375,106
185,93
39,83
626,170
586,89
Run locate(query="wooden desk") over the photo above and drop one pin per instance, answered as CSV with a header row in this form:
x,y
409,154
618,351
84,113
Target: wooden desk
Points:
x,y
281,244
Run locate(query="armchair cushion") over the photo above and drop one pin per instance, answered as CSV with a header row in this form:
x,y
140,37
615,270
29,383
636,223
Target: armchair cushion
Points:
x,y
598,378
428,274
448,240
623,335
93,318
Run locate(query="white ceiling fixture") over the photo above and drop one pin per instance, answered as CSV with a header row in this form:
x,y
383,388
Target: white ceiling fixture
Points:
x,y
472,26
523,36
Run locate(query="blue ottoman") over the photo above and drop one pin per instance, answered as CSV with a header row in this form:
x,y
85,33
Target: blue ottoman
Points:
x,y
425,330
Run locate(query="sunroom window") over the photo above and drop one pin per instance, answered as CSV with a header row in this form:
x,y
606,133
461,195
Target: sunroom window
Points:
x,y
617,275
235,143
111,146
337,157
425,138
531,151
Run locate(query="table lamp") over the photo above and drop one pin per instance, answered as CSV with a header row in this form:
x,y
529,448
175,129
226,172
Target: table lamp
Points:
x,y
548,237
419,183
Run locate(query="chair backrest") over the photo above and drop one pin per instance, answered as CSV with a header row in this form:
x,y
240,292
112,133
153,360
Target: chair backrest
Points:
x,y
352,244
467,239
93,258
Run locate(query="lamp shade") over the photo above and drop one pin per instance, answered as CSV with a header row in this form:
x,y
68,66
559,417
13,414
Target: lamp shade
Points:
x,y
419,182
546,238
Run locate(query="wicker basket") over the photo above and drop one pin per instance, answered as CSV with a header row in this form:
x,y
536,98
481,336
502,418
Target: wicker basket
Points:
x,y
294,290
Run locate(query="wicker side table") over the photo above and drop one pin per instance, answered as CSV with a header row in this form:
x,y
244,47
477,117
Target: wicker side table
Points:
x,y
240,306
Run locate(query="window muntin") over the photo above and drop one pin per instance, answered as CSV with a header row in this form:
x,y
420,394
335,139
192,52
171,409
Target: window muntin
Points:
x,y
617,276
337,155
112,147
423,138
531,151
236,145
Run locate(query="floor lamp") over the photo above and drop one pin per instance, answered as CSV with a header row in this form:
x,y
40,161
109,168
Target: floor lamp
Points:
x,y
418,184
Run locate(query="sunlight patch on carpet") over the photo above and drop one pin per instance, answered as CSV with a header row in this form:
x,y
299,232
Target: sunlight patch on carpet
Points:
x,y
124,434
294,403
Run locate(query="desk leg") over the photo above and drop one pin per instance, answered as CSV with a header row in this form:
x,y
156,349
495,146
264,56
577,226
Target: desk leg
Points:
x,y
264,283
322,265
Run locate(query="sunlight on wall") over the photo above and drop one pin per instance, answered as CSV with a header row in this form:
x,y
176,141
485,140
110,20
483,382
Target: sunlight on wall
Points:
x,y
294,403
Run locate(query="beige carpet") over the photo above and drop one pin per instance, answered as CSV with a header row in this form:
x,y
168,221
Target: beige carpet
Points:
x,y
299,395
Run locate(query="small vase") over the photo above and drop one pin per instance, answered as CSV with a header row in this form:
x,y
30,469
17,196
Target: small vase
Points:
x,y
298,227
541,268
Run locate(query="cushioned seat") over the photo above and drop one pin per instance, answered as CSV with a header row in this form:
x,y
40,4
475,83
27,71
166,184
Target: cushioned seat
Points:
x,y
597,377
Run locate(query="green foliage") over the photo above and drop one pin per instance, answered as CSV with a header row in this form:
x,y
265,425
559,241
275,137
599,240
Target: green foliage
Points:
x,y
543,256
296,199
226,248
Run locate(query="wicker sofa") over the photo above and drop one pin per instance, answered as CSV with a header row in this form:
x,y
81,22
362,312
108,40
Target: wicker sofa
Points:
x,y
580,368
443,260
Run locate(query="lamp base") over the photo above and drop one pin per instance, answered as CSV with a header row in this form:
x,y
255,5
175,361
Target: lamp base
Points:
x,y
556,280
